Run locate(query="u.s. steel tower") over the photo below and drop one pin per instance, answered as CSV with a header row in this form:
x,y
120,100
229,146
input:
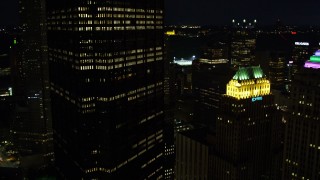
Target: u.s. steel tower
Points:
x,y
106,75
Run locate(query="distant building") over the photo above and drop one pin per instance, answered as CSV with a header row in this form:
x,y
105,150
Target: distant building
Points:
x,y
247,140
277,70
243,44
300,54
302,143
217,50
209,80
182,89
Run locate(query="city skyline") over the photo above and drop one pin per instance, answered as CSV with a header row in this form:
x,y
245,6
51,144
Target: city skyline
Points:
x,y
206,12
140,89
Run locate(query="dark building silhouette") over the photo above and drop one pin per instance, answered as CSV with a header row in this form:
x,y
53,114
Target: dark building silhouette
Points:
x,y
277,70
32,130
247,144
6,83
182,90
275,64
192,155
107,88
302,143
209,80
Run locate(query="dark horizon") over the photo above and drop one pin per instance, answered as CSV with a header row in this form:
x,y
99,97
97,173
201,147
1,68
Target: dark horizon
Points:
x,y
205,12
215,13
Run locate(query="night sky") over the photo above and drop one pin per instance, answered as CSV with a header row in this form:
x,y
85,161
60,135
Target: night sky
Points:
x,y
216,12
9,12
221,12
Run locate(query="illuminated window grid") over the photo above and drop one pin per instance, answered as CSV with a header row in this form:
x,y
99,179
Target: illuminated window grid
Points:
x,y
134,57
107,19
248,88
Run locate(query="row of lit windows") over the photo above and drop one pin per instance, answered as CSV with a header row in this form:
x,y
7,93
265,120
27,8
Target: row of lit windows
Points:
x,y
62,93
106,8
150,117
69,17
111,28
132,92
151,160
153,173
157,134
125,10
116,28
128,52
88,106
135,54
127,16
101,169
117,66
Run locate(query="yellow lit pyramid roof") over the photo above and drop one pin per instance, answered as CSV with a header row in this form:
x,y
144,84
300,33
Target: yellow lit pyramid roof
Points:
x,y
248,82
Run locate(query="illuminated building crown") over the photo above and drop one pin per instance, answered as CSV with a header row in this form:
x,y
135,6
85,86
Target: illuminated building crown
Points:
x,y
314,61
248,82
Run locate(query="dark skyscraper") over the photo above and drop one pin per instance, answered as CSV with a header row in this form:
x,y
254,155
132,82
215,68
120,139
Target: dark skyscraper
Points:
x,y
32,129
6,83
209,79
106,75
245,140
302,142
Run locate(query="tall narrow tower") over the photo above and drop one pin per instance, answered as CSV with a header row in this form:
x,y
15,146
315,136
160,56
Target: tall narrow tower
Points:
x,y
32,130
243,44
106,75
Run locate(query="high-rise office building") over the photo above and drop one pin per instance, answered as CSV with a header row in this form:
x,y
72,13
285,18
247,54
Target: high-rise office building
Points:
x,y
209,80
300,54
106,75
302,143
246,138
243,44
169,101
32,130
277,70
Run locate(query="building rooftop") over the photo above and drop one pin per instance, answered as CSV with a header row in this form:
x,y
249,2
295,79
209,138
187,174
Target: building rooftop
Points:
x,y
248,82
314,61
246,73
199,135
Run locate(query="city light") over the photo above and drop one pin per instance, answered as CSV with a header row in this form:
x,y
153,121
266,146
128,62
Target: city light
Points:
x,y
248,83
314,61
301,43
